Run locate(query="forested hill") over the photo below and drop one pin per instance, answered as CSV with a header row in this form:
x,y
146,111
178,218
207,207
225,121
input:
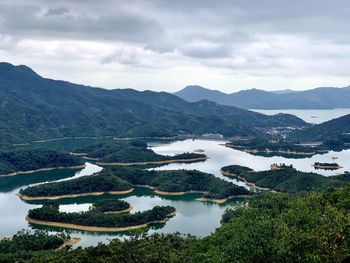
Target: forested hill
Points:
x,y
34,108
338,129
318,98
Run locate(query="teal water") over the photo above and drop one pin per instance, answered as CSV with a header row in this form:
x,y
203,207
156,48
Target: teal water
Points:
x,y
192,217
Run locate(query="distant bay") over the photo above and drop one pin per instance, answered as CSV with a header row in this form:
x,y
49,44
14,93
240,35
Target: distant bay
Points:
x,y
312,116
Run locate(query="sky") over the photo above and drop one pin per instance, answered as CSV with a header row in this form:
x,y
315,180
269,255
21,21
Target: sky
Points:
x,y
164,45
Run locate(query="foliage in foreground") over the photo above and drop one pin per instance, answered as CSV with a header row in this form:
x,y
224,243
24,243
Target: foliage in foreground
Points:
x,y
24,244
272,228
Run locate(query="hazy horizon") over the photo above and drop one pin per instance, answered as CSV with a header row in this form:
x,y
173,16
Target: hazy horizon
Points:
x,y
166,45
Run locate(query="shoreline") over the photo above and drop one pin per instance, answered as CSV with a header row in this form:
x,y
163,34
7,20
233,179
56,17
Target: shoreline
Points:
x,y
69,242
250,184
90,158
327,167
242,148
44,169
170,193
127,210
97,228
200,199
78,154
30,198
153,162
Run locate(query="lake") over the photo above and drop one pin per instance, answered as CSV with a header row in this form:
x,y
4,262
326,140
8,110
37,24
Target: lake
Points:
x,y
311,116
192,217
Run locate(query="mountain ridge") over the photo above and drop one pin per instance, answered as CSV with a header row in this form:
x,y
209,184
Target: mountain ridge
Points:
x,y
36,108
317,98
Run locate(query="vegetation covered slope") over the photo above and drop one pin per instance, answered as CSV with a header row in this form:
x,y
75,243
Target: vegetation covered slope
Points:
x,y
97,218
45,108
112,205
24,244
179,181
318,98
336,131
27,160
82,185
208,108
122,179
271,228
278,147
287,180
129,152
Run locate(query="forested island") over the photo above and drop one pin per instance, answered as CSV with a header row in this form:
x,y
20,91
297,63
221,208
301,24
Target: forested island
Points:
x,y
174,182
111,206
286,180
132,152
83,186
97,220
121,180
312,228
14,162
276,147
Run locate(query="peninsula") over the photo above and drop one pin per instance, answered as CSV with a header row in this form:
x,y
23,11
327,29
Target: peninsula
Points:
x,y
15,162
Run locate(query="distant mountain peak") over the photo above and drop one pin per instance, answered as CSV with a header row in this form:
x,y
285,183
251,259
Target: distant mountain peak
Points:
x,y
316,98
8,70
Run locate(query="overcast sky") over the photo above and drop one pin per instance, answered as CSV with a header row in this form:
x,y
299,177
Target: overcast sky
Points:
x,y
166,45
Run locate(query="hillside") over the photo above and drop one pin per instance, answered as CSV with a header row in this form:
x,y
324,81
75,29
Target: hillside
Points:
x,y
17,161
318,98
336,129
35,108
271,228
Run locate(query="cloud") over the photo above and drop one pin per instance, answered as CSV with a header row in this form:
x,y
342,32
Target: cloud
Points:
x,y
57,11
230,44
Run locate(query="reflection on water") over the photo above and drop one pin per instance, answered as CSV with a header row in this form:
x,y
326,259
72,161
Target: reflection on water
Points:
x,y
220,156
192,217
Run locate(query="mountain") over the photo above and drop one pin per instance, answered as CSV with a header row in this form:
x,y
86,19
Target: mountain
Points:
x,y
35,108
334,129
318,98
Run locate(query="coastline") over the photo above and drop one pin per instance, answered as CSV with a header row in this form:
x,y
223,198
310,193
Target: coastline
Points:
x,y
90,158
153,162
44,169
327,167
213,200
250,184
200,199
242,148
170,193
97,228
127,210
69,242
29,198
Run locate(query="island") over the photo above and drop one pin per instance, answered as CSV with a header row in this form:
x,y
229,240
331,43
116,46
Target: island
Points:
x,y
274,147
122,180
327,166
180,182
287,179
97,220
125,153
111,206
13,162
82,186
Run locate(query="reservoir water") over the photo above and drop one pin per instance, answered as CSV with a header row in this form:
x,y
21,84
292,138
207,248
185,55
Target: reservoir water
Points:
x,y
192,217
311,116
